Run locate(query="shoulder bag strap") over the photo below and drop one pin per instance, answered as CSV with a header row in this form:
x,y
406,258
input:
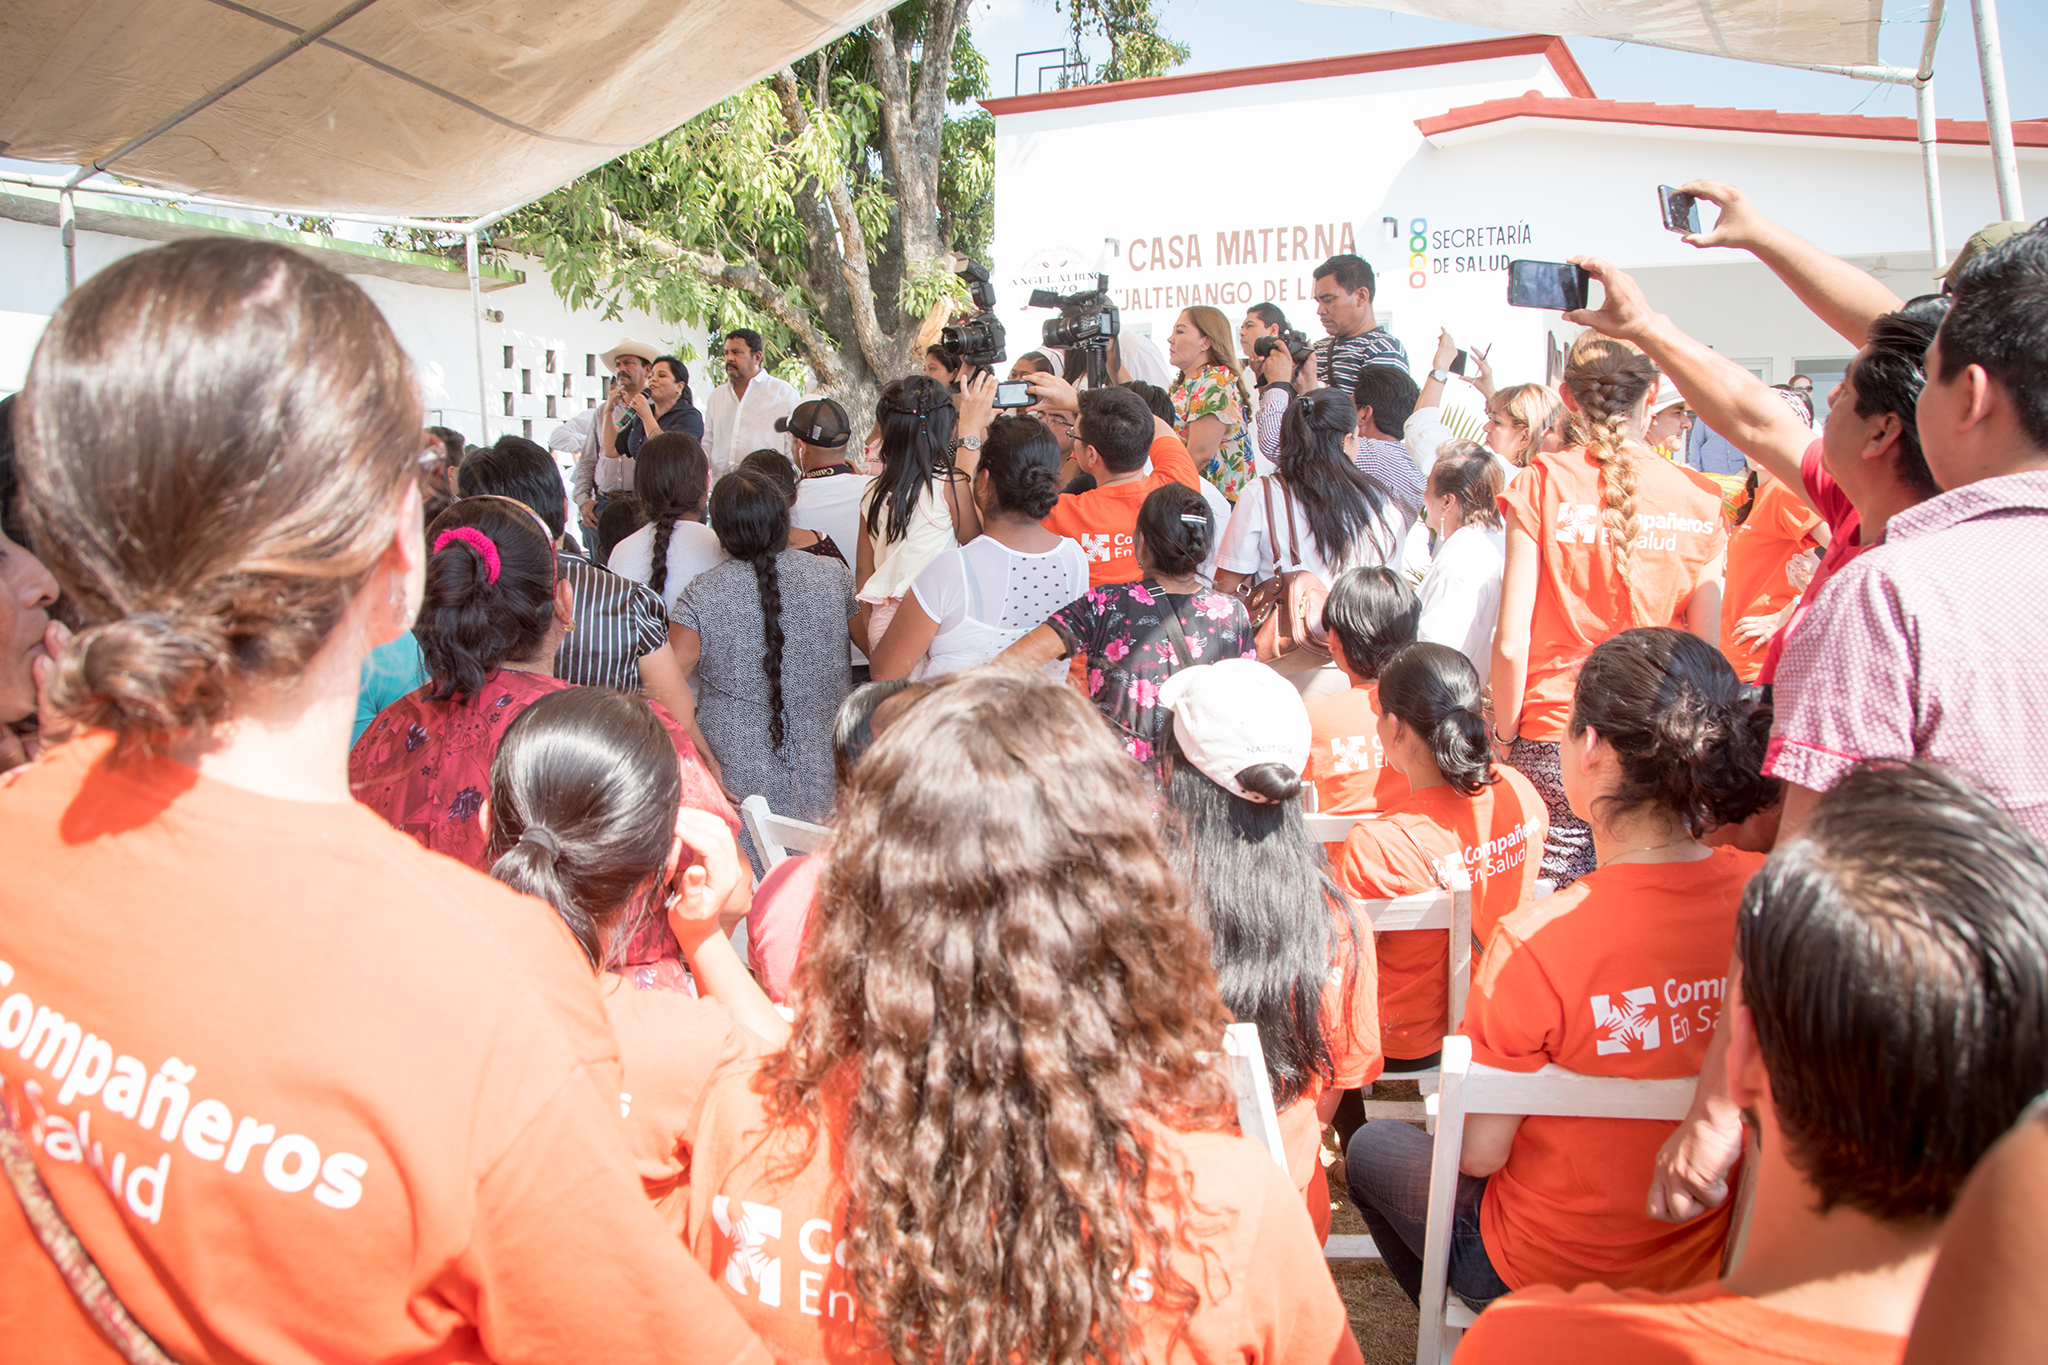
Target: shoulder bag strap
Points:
x,y
74,1263
1272,532
1170,618
1293,531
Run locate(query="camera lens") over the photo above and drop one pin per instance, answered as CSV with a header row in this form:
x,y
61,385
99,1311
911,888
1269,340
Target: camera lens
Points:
x,y
1263,347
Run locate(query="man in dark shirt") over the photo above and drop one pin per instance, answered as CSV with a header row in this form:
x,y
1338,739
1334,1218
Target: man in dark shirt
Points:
x,y
1344,294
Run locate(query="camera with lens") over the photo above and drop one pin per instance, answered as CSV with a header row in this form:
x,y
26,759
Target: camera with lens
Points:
x,y
978,340
1086,323
1298,349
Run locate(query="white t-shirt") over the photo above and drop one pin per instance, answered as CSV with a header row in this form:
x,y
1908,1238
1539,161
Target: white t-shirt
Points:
x,y
692,548
735,428
1461,593
986,596
1244,541
830,505
1219,515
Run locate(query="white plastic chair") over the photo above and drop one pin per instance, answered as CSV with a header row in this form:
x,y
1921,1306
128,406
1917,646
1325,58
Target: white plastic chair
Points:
x,y
1468,1088
775,835
1450,911
1331,829
1244,1063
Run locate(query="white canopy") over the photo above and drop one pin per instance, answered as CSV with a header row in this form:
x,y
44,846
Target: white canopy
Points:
x,y
1782,32
410,108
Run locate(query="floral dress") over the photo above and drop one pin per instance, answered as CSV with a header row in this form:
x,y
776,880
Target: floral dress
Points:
x,y
1130,653
1212,392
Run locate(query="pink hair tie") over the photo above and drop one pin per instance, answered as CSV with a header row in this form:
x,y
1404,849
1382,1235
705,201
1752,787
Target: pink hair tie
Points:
x,y
475,540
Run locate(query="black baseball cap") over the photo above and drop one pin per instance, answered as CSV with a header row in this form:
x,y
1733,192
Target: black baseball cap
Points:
x,y
818,422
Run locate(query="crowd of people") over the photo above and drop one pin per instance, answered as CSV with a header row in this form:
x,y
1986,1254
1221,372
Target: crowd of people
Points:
x,y
368,980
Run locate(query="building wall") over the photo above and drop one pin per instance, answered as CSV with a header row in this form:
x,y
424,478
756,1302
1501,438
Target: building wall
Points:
x,y
1440,223
433,324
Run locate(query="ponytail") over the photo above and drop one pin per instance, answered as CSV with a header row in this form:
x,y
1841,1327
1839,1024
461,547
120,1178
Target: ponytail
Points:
x,y
1434,690
669,478
657,573
1689,735
584,793
770,588
1608,379
752,521
489,595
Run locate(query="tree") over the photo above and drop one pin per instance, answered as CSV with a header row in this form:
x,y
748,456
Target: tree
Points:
x,y
821,206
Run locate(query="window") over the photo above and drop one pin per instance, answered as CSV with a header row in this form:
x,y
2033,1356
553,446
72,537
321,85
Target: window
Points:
x,y
590,402
526,430
551,362
1825,372
568,386
551,405
590,367
508,403
526,381
508,357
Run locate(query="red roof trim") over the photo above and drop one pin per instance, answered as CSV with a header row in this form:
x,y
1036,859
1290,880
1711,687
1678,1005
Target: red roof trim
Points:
x,y
2030,133
1400,59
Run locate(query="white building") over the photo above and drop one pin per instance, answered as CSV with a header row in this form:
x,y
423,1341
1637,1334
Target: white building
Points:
x,y
1439,165
540,362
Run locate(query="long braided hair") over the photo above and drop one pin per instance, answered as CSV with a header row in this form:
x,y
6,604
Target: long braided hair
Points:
x,y
669,478
1609,379
752,521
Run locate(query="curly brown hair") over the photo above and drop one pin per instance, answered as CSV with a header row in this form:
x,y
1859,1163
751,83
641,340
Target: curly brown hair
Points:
x,y
1003,972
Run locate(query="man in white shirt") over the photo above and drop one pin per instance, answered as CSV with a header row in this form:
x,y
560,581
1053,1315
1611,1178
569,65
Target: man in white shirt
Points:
x,y
741,417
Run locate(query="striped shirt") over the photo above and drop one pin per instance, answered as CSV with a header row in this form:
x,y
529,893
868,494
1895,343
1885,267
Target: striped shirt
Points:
x,y
1387,463
618,623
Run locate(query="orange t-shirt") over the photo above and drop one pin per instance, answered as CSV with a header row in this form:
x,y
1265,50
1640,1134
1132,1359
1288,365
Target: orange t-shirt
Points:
x,y
1405,852
669,1044
1705,1325
767,1220
1620,974
308,1092
1581,599
1351,1027
1345,763
1102,520
1778,527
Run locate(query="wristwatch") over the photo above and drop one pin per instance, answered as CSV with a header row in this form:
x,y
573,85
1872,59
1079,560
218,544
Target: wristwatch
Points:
x,y
1440,376
969,443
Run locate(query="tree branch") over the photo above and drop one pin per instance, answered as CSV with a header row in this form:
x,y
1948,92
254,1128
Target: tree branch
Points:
x,y
747,278
853,259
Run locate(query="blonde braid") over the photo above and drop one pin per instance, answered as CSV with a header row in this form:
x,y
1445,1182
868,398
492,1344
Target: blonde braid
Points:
x,y
1608,378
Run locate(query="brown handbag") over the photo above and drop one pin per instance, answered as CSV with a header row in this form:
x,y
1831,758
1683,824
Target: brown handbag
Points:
x,y
1287,609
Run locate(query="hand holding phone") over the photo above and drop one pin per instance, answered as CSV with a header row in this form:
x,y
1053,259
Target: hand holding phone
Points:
x,y
1014,393
1679,210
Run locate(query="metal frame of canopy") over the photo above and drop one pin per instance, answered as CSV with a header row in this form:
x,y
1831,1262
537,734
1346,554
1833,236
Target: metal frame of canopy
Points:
x,y
1997,116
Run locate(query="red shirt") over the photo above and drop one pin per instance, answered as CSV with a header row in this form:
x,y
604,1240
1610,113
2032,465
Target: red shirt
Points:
x,y
1346,764
1778,528
1845,528
1702,1326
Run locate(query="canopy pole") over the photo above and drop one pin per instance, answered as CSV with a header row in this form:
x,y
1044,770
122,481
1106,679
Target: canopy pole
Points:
x,y
1930,164
476,319
1991,62
67,233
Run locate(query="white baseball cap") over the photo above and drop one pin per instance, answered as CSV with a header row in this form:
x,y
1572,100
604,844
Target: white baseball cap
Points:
x,y
1233,715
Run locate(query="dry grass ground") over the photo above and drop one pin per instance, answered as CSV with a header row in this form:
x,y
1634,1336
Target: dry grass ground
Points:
x,y
1381,1317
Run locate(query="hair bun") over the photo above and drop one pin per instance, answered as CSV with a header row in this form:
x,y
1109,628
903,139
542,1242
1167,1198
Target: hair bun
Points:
x,y
150,672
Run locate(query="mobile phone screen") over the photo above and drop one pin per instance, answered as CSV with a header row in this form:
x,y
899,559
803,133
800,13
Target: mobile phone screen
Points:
x,y
1546,284
1681,212
1013,393
1457,365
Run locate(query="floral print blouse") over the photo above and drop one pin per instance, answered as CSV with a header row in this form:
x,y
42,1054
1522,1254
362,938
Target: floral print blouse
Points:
x,y
1118,626
1211,392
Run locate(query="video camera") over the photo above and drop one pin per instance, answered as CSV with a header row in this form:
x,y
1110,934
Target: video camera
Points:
x,y
978,341
1086,323
1298,349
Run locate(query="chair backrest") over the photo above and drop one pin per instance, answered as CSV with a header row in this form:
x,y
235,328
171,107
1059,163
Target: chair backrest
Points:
x,y
774,835
1468,1088
1330,829
1245,1064
1450,911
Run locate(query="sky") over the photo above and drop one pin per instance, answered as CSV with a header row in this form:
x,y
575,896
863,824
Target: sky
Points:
x,y
1230,33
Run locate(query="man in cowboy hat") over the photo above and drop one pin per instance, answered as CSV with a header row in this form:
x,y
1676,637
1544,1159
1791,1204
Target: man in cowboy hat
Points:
x,y
600,474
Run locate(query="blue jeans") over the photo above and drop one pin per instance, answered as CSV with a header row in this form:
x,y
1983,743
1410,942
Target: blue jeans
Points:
x,y
1386,1172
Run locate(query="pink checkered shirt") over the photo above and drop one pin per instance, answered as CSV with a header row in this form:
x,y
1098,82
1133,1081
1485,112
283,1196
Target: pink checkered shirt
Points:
x,y
1933,644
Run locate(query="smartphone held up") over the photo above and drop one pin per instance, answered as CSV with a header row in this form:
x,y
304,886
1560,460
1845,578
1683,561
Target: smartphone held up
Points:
x,y
1680,211
1554,285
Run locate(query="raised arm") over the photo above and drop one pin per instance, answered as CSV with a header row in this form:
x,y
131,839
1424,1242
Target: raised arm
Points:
x,y
1725,396
1845,297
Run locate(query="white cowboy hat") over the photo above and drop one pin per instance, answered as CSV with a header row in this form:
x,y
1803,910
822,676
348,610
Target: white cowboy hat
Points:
x,y
628,346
